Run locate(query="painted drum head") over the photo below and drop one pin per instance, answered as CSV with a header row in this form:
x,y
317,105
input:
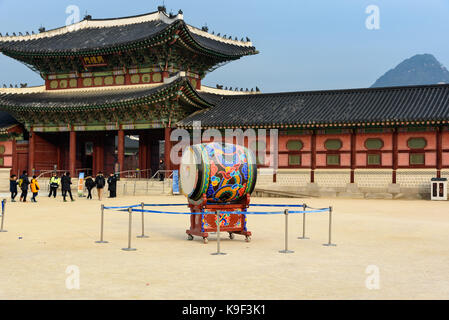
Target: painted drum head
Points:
x,y
223,172
188,172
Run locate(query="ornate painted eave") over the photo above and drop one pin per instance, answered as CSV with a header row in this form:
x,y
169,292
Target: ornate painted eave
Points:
x,y
35,104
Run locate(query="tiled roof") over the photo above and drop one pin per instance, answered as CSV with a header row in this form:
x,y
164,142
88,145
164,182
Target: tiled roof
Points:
x,y
90,35
6,120
393,104
79,99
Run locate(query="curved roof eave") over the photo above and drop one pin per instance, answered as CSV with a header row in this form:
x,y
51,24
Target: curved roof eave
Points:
x,y
21,45
95,100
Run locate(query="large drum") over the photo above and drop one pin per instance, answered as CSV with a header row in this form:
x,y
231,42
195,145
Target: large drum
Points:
x,y
224,172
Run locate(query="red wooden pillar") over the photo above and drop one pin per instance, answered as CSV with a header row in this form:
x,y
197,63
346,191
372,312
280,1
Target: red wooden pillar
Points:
x,y
167,149
148,139
439,151
271,152
98,155
395,154
143,154
58,157
121,148
72,153
14,168
95,156
353,154
313,157
31,152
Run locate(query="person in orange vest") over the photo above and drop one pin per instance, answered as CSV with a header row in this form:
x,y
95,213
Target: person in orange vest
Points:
x,y
34,186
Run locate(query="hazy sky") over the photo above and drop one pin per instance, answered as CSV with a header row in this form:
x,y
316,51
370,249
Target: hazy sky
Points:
x,y
303,44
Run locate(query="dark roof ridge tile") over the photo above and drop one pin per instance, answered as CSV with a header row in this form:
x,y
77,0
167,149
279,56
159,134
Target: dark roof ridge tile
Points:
x,y
333,91
124,17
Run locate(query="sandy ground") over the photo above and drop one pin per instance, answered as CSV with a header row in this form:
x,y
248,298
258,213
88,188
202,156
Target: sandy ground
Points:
x,y
408,241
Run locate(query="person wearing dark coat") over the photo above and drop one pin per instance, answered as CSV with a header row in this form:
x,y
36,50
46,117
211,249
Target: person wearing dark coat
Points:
x,y
90,184
66,182
161,170
112,186
100,182
24,182
13,187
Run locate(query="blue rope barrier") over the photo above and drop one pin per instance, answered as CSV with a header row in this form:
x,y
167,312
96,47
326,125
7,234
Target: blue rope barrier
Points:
x,y
165,205
126,208
317,208
183,204
278,205
227,212
206,213
310,211
163,212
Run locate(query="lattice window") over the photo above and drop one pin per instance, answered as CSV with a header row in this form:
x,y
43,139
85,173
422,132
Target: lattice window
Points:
x,y
417,158
333,160
373,159
374,144
417,143
294,145
333,144
294,160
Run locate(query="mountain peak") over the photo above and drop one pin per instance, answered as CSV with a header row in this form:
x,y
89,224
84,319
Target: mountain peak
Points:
x,y
421,69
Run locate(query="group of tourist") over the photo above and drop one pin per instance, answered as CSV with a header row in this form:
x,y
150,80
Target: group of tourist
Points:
x,y
23,183
65,181
100,183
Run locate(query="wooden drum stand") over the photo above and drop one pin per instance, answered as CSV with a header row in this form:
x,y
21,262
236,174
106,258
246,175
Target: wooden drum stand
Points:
x,y
202,223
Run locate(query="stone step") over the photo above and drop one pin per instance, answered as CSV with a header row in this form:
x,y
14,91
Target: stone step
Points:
x,y
4,179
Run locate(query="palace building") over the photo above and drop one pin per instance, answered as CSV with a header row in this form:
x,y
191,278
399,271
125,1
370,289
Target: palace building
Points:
x,y
116,88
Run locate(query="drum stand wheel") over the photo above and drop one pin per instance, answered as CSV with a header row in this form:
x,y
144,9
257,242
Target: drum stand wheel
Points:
x,y
189,237
231,236
205,240
248,239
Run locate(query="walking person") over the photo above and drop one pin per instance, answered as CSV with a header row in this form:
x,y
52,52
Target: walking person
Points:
x,y
24,182
13,187
100,182
34,186
66,182
55,182
90,184
161,170
112,185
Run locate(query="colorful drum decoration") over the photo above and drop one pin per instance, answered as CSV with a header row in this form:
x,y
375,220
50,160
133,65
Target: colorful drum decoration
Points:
x,y
218,177
224,172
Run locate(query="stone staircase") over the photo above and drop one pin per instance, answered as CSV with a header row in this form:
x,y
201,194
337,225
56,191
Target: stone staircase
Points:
x,y
125,187
131,187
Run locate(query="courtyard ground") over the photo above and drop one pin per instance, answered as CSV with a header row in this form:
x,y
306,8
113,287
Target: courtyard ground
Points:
x,y
407,242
